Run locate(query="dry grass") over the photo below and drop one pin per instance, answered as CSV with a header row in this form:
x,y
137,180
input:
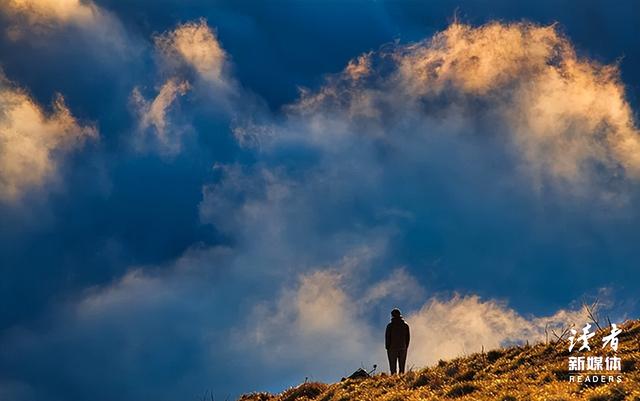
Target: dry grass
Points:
x,y
526,373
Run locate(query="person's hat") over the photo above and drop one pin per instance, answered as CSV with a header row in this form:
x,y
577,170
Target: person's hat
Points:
x,y
396,313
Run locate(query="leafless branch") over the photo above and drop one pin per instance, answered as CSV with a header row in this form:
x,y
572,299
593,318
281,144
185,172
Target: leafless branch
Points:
x,y
592,312
565,331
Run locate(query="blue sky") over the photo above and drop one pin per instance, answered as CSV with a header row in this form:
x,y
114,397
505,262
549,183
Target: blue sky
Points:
x,y
231,196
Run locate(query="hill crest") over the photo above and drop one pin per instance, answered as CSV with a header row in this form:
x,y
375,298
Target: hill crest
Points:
x,y
537,372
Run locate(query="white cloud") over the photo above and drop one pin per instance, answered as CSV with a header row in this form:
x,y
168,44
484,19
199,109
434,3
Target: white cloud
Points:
x,y
314,325
319,323
400,285
32,141
447,328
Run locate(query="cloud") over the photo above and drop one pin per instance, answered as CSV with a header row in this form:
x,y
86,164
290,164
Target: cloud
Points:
x,y
159,326
51,12
400,285
319,324
34,142
84,31
564,117
407,151
283,221
196,45
317,312
399,175
190,57
174,326
447,328
153,114
38,19
243,198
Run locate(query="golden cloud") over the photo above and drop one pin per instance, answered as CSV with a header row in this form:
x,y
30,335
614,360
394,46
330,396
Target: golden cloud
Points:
x,y
562,112
32,141
47,13
195,44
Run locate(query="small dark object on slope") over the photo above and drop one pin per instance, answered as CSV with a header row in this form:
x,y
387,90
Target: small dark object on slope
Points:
x,y
358,374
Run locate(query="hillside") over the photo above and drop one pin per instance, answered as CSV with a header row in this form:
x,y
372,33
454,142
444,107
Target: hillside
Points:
x,y
536,372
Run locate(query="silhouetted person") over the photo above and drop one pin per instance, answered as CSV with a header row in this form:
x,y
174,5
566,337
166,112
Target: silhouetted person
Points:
x,y
396,341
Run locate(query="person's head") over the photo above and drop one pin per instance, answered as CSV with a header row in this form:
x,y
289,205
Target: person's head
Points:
x,y
396,313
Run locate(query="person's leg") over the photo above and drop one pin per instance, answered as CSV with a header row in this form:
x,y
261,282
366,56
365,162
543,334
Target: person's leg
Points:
x,y
393,357
402,359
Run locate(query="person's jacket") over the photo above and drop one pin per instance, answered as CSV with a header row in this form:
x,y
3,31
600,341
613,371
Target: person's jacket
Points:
x,y
397,334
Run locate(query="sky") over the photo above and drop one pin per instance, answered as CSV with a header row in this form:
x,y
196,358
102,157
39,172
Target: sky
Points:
x,y
221,197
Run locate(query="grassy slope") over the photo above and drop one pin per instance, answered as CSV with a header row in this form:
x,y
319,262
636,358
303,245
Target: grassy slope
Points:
x,y
537,372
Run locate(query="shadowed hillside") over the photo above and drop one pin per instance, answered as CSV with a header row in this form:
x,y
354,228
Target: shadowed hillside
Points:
x,y
536,372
